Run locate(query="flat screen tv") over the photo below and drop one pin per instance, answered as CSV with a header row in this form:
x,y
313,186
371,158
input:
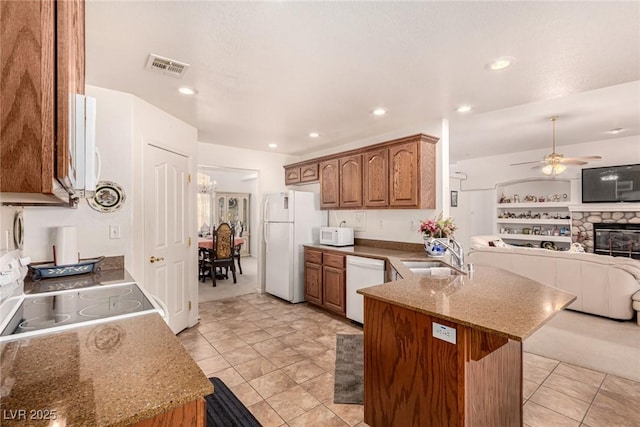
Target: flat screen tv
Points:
x,y
611,184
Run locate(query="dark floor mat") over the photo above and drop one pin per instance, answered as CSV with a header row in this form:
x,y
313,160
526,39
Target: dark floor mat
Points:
x,y
224,409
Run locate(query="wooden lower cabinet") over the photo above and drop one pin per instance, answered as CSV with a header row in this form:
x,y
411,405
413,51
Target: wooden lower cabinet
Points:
x,y
190,414
325,280
414,379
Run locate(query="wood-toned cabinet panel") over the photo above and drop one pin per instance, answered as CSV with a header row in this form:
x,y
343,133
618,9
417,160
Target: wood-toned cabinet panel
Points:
x,y
27,31
309,173
334,260
351,181
403,175
376,178
313,282
329,184
291,175
334,289
313,256
190,414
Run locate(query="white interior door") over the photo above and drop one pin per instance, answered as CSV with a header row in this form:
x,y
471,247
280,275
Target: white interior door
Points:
x,y
166,232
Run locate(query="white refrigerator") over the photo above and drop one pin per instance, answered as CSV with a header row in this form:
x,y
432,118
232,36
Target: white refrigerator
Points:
x,y
291,219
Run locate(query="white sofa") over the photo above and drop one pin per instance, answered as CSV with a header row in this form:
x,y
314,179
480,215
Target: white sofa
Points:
x,y
604,285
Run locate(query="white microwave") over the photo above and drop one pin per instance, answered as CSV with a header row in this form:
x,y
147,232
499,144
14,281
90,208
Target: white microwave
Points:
x,y
336,236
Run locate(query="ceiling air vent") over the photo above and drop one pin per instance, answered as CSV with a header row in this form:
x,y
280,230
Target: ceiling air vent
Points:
x,y
166,66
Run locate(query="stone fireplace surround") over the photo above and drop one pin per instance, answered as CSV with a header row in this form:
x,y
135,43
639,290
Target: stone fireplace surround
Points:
x,y
582,224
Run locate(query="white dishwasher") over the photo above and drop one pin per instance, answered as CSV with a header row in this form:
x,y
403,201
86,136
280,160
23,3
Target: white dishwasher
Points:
x,y
361,273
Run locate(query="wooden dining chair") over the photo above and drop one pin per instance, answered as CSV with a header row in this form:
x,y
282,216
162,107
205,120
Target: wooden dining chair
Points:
x,y
238,248
223,251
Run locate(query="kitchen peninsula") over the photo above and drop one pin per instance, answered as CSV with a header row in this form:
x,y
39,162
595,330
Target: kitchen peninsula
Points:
x,y
447,351
125,372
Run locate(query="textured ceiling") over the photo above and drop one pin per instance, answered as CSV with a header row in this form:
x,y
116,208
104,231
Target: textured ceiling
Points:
x,y
271,72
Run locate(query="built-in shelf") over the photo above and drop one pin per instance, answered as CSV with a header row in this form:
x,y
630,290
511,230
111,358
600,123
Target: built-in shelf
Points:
x,y
533,221
536,237
544,205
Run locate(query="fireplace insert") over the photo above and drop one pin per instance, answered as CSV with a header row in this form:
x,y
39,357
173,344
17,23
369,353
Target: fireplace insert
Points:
x,y
617,239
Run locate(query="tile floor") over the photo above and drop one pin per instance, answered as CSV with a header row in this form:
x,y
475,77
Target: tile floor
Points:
x,y
278,358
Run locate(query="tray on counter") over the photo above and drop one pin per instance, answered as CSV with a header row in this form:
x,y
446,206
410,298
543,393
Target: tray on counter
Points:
x,y
48,270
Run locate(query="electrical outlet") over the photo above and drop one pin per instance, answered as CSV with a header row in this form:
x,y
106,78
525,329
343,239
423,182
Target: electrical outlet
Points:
x,y
444,333
412,227
114,231
381,227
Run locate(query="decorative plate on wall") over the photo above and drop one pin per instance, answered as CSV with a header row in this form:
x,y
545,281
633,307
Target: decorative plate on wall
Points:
x,y
109,197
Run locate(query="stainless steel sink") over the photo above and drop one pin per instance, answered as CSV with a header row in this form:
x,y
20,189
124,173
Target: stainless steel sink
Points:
x,y
430,268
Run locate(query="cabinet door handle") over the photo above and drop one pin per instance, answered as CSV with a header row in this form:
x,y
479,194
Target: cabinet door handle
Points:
x,y
154,259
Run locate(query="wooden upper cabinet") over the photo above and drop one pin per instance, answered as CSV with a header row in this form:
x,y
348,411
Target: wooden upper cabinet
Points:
x,y
329,184
351,181
376,178
291,175
309,173
403,175
27,31
42,59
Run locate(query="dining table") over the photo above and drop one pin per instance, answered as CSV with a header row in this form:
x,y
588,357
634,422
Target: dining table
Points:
x,y
207,242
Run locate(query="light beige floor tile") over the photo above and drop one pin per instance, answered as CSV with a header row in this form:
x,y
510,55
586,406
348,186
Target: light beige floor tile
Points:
x,y
602,417
193,342
326,360
294,339
269,346
539,416
202,352
212,364
321,387
255,368
266,324
535,373
255,337
561,403
572,388
272,383
212,326
621,404
292,403
328,341
247,395
528,387
587,376
286,357
219,335
258,317
229,376
241,355
320,416
310,348
266,415
303,371
539,361
247,329
350,414
228,345
622,386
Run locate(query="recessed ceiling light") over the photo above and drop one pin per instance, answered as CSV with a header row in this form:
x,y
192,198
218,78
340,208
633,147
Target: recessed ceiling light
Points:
x,y
463,109
273,145
501,63
314,134
379,112
187,91
615,130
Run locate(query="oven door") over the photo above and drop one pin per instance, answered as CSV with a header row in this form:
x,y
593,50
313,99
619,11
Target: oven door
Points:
x,y
50,312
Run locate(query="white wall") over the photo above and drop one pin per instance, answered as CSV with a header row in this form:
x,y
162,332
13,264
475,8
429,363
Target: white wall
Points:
x,y
114,123
476,198
398,225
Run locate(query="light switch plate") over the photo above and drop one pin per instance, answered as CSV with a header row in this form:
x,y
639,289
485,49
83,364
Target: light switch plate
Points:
x,y
444,333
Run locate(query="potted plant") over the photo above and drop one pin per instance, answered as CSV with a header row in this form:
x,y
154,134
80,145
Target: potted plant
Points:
x,y
436,233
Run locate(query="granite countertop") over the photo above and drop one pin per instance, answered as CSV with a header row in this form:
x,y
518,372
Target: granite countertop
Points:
x,y
111,374
489,298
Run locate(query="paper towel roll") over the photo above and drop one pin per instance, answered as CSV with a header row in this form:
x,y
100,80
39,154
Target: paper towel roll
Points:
x,y
66,247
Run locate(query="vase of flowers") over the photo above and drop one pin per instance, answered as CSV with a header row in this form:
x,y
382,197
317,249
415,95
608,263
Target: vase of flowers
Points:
x,y
436,232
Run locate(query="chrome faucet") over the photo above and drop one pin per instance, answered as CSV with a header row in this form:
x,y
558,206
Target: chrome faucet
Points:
x,y
457,251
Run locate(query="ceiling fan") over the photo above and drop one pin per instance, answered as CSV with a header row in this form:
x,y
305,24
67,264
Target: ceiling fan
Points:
x,y
555,163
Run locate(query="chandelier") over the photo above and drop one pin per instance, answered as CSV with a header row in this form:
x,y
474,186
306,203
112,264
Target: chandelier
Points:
x,y
206,186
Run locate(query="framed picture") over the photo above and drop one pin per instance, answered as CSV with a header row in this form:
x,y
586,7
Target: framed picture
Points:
x,y
536,230
454,199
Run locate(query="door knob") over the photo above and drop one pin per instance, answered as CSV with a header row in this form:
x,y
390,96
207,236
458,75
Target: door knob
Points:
x,y
154,259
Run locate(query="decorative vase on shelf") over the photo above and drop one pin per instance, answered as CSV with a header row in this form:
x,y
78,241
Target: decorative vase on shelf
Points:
x,y
433,246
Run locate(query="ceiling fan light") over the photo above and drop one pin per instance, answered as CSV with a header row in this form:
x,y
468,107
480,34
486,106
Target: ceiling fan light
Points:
x,y
559,168
548,169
